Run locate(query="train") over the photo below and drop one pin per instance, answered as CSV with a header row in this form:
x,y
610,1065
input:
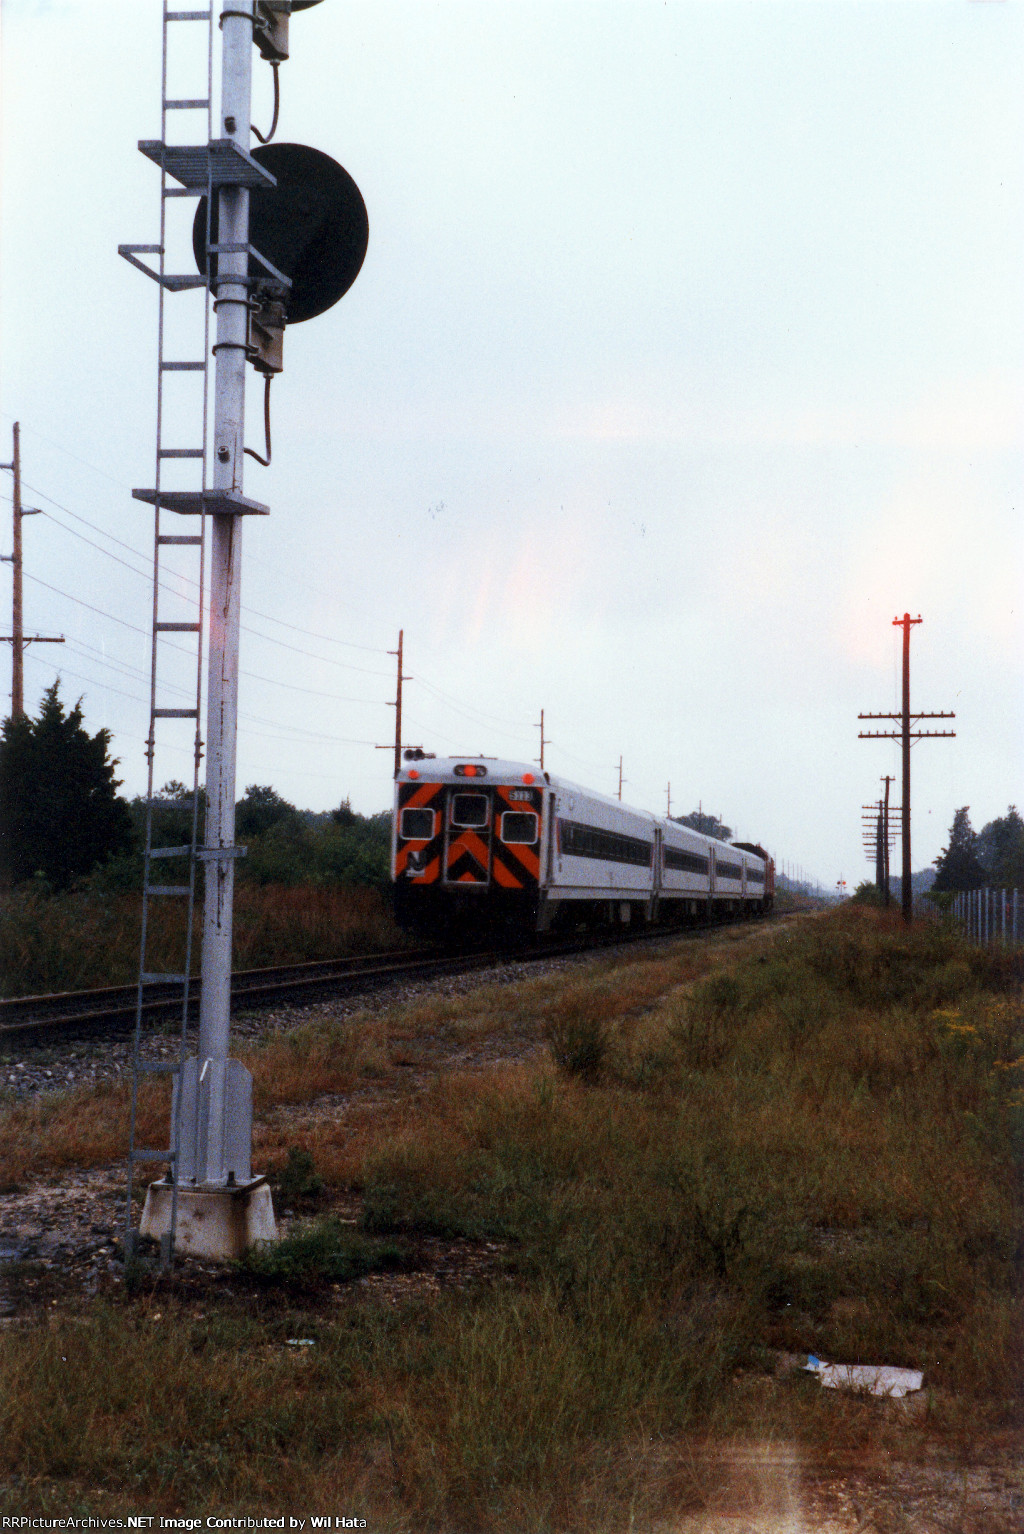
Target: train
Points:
x,y
486,846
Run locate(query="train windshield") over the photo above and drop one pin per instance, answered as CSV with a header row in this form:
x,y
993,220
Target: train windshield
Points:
x,y
469,809
417,825
519,827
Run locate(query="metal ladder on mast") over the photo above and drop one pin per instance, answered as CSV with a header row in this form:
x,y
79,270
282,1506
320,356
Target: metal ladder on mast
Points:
x,y
183,856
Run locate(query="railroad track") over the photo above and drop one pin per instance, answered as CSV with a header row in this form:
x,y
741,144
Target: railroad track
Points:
x,y
113,1008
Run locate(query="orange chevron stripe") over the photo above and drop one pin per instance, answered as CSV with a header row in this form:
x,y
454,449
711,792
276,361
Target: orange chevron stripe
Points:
x,y
506,877
422,796
526,855
471,843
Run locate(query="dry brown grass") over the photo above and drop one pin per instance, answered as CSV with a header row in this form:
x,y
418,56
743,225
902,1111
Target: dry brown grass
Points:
x,y
808,1143
83,1128
73,942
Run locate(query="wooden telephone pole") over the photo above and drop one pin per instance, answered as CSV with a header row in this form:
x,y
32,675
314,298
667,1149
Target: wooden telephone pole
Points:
x,y
905,735
879,836
543,740
888,778
17,638
397,705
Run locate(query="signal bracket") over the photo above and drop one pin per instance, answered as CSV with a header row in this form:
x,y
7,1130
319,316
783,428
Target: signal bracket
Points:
x,y
221,162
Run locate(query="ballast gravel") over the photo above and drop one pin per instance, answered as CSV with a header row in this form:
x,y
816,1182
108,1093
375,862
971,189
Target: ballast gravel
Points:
x,y
62,1234
28,1069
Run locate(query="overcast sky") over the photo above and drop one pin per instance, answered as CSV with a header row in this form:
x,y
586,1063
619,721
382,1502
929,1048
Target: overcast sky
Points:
x,y
685,356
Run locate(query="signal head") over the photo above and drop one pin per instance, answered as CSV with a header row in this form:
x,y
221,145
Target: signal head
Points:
x,y
312,226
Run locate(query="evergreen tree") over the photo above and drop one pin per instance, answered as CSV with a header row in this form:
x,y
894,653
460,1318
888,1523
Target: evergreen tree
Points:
x,y
957,866
1000,850
60,814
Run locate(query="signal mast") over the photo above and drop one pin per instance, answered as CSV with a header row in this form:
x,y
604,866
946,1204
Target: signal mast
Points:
x,y
279,236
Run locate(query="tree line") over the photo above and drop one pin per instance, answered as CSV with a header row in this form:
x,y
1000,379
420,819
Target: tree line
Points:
x,y
63,823
993,856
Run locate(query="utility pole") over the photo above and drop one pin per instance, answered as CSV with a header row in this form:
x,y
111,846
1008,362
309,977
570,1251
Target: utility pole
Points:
x,y
668,802
543,741
905,735
878,835
621,780
17,638
887,779
397,705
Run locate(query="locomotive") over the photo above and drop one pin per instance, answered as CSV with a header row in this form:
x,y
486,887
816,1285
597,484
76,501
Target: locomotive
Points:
x,y
481,845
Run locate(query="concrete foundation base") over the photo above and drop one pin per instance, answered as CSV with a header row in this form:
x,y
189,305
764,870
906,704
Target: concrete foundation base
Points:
x,y
212,1222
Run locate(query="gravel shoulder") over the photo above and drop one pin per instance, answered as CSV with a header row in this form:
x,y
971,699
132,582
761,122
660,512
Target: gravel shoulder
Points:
x,y
60,1235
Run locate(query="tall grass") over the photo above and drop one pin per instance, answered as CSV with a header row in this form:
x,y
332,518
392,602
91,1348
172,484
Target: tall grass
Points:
x,y
810,1144
74,941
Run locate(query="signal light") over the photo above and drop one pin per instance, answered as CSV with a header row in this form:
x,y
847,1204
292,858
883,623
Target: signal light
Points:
x,y
470,770
266,335
312,227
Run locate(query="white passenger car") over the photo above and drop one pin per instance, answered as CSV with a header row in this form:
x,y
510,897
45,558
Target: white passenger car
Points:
x,y
484,844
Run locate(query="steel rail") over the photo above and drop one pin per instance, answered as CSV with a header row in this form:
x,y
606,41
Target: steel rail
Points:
x,y
65,1012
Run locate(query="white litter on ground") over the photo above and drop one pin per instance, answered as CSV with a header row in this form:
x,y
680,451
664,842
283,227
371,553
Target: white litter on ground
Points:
x,y
876,1379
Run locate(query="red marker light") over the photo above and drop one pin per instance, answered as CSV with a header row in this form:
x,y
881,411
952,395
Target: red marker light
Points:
x,y
527,777
413,773
470,772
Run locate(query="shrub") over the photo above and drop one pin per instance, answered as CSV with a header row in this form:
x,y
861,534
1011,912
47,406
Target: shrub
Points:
x,y
323,1252
297,1181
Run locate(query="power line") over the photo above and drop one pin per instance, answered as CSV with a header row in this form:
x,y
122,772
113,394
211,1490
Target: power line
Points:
x,y
474,715
270,618
328,660
482,714
311,655
446,700
35,432
82,603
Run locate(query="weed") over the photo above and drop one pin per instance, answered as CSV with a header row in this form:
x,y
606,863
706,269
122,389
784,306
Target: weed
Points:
x,y
297,1182
318,1253
579,1044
